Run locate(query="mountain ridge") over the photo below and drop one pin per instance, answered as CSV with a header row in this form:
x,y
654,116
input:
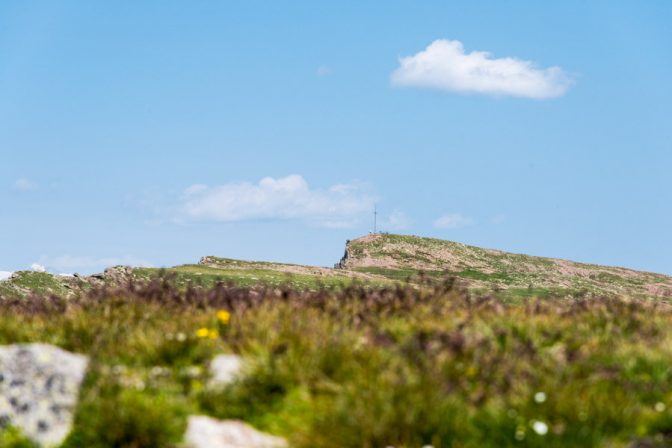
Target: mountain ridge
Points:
x,y
380,260
484,267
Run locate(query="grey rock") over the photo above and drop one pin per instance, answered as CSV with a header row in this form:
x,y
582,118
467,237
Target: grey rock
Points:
x,y
225,369
39,387
207,432
118,275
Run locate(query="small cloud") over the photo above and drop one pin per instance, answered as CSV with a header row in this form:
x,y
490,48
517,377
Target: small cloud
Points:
x,y
286,198
4,275
323,70
452,221
444,65
24,184
38,267
397,220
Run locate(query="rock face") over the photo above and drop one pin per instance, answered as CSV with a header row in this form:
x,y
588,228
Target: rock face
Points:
x,y
207,432
39,386
343,262
119,275
225,369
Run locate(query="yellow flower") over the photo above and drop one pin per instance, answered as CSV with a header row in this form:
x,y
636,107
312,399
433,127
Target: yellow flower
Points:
x,y
223,316
202,332
213,334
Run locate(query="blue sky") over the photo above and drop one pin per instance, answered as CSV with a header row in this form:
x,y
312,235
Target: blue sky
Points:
x,y
157,132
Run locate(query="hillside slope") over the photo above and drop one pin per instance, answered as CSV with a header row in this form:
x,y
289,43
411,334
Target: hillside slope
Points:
x,y
211,270
398,256
23,284
380,260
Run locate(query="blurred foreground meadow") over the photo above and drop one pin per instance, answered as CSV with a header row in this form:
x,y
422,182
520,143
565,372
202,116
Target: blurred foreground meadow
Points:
x,y
401,366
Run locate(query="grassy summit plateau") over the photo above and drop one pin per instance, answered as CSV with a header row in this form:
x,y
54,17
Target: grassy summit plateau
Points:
x,y
399,256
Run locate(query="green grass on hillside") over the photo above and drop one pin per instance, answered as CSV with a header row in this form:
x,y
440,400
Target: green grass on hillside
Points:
x,y
399,274
205,276
358,367
408,273
38,283
232,262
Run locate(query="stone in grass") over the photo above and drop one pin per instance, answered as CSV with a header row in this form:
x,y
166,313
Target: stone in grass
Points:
x,y
207,432
39,386
225,369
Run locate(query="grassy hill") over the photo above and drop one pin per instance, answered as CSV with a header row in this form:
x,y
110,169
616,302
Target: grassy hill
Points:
x,y
25,283
399,256
381,260
211,270
206,274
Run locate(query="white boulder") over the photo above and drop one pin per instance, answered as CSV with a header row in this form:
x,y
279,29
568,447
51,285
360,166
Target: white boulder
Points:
x,y
225,369
39,387
207,432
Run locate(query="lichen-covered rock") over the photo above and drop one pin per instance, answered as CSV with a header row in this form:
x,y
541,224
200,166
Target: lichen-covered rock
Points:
x,y
118,275
39,386
207,432
225,369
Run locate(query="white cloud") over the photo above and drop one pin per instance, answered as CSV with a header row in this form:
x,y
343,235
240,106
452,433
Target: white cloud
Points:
x,y
287,198
445,66
452,221
323,70
38,267
24,184
4,275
